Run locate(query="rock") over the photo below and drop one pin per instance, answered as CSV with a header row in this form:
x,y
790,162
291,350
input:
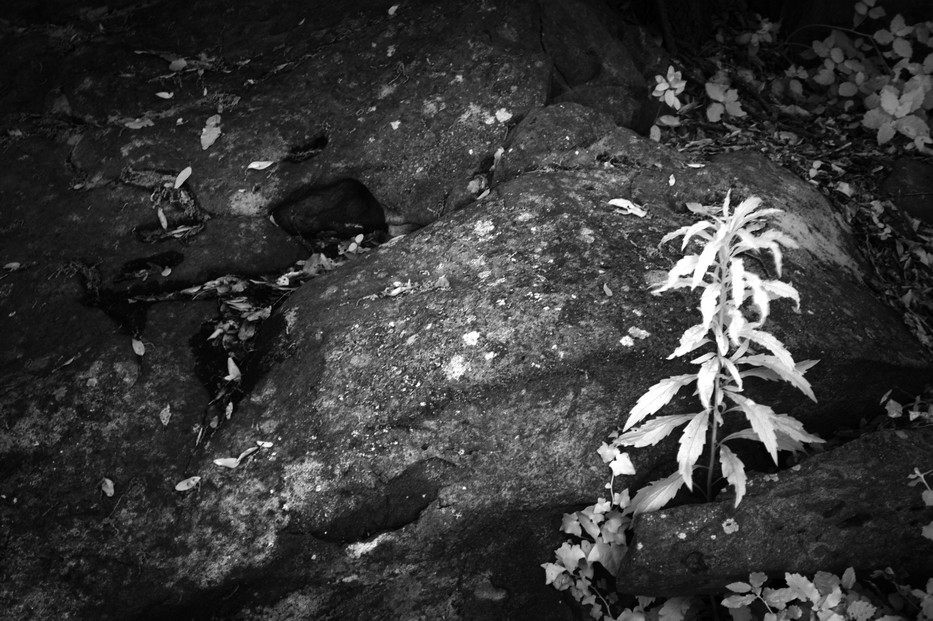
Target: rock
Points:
x,y
849,507
910,186
427,412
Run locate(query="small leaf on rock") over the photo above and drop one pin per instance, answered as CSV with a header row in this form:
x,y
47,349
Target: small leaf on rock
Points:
x,y
233,371
209,135
163,221
247,453
182,177
138,123
263,444
185,484
178,64
164,95
227,462
260,165
106,486
228,411
139,347
607,290
165,415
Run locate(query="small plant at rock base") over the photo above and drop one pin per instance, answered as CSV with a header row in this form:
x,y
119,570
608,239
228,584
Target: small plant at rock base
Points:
x,y
919,478
729,289
667,90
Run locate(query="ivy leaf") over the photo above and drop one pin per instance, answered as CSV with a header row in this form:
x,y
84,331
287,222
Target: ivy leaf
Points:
x,y
569,555
656,398
622,464
571,525
551,572
734,471
692,442
654,496
608,555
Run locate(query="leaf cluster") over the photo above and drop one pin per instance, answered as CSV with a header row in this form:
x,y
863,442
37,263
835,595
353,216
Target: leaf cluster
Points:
x,y
826,597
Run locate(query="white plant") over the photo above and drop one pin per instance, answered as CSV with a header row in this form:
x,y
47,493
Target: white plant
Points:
x,y
738,348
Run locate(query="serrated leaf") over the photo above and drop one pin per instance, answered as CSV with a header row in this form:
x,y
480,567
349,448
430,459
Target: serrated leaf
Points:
x,y
656,398
692,338
770,342
692,441
655,495
709,303
706,381
793,375
737,271
734,471
653,431
707,256
685,265
185,484
759,416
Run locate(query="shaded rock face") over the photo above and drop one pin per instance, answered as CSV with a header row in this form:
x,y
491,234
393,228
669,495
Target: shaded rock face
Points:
x,y
424,93
847,508
427,412
910,187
